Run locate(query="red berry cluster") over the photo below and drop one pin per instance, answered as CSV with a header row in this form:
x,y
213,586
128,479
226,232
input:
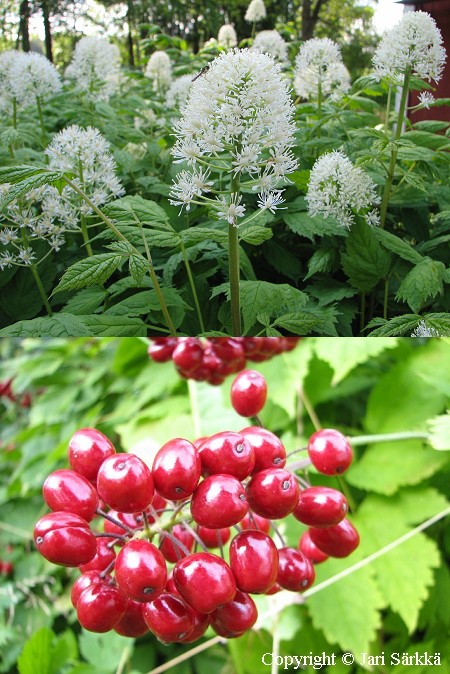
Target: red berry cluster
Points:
x,y
151,567
215,358
6,392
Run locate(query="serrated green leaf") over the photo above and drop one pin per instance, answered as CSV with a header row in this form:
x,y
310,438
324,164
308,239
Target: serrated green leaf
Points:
x,y
343,355
426,139
123,247
58,325
138,267
397,245
380,521
37,653
195,235
310,226
28,184
85,301
321,261
348,612
439,430
136,305
91,271
114,326
261,296
364,261
400,325
423,282
134,209
300,323
255,234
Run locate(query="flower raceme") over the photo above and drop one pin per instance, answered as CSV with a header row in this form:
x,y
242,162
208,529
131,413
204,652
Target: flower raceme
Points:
x,y
227,36
159,69
341,190
237,122
26,77
415,43
256,11
95,68
319,71
270,42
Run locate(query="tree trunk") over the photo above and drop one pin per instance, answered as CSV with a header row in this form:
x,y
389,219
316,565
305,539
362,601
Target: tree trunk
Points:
x,y
24,31
130,34
48,30
310,17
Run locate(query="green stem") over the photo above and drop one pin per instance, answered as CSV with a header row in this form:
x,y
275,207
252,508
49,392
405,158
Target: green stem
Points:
x,y
394,151
15,113
156,285
388,109
84,230
362,315
41,121
121,237
358,440
386,297
193,289
41,289
233,262
11,151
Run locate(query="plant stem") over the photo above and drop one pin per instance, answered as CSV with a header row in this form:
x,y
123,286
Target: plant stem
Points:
x,y
41,122
386,297
310,409
41,289
193,399
233,261
388,109
84,230
358,440
15,113
193,289
362,315
121,237
394,151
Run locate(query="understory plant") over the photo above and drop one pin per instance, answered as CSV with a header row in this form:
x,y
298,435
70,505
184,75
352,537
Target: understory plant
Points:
x,y
247,208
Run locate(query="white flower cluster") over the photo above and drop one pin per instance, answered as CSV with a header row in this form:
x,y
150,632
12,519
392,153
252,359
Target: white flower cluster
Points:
x,y
95,68
227,37
85,153
339,189
178,91
416,43
159,69
319,70
25,77
270,42
41,214
423,330
47,214
238,121
256,11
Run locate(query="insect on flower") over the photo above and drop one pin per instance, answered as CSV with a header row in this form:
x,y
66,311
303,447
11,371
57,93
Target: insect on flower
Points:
x,y
201,72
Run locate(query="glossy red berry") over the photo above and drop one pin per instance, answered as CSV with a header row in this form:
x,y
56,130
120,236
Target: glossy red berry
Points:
x,y
130,520
83,582
310,550
295,570
103,558
65,539
229,453
125,483
188,355
132,623
254,561
330,452
176,469
269,450
254,521
100,607
200,622
248,393
219,501
204,581
273,493
141,570
88,448
235,617
214,538
171,551
68,491
321,507
168,618
337,541
161,349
